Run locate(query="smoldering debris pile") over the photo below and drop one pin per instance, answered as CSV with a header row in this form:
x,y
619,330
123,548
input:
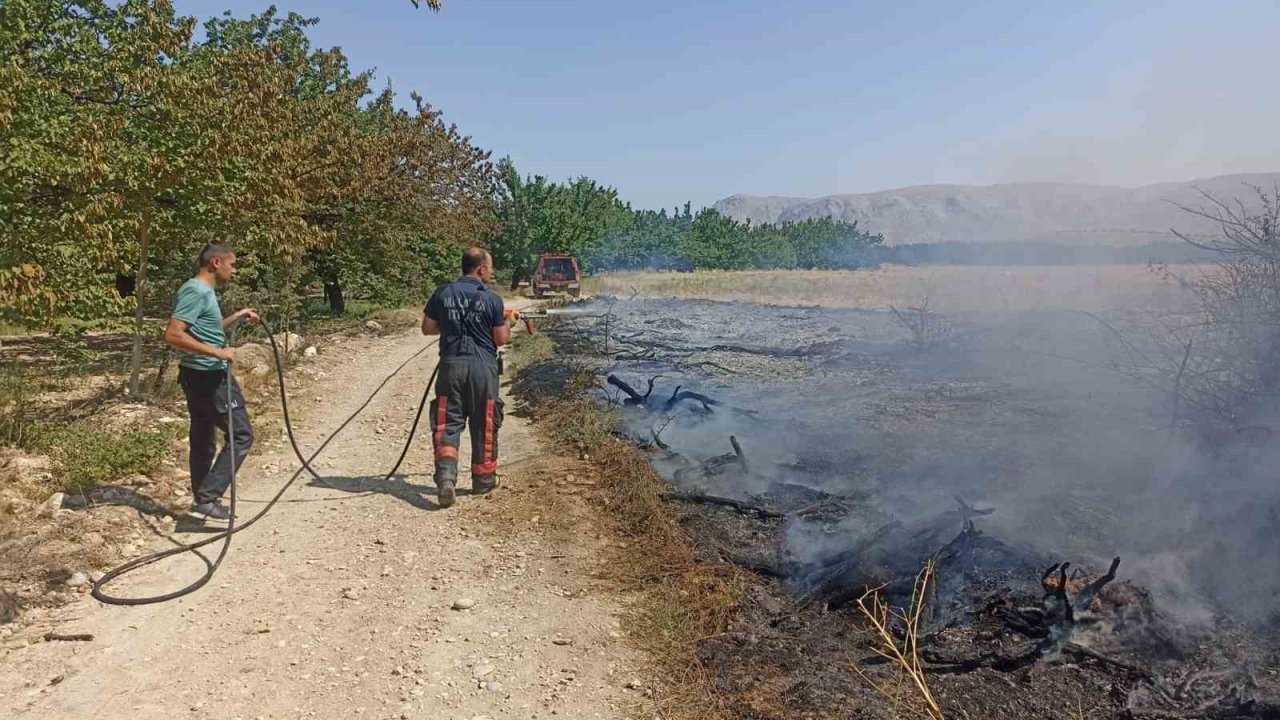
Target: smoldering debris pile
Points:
x,y
832,455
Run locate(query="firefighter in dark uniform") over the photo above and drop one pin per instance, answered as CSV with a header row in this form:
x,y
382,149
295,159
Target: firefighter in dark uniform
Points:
x,y
472,324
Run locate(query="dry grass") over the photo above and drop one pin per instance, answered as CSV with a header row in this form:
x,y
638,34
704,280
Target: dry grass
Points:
x,y
903,653
676,600
398,317
955,288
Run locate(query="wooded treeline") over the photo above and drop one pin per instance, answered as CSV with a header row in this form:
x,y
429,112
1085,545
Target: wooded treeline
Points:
x,y
589,220
129,144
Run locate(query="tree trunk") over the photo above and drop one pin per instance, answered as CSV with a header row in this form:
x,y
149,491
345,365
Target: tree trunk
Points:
x,y
164,368
333,293
144,243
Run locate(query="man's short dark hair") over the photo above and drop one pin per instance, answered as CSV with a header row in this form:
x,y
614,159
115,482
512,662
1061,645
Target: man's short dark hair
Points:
x,y
211,251
472,258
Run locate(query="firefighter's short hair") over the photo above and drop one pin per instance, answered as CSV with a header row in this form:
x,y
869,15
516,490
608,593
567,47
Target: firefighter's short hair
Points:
x,y
473,258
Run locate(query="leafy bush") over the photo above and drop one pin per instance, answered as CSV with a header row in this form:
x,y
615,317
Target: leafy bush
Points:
x,y
88,455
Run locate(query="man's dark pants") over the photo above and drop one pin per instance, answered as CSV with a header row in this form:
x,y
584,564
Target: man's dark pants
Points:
x,y
466,393
206,392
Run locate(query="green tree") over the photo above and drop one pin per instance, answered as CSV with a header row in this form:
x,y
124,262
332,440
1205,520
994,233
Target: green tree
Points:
x,y
128,141
685,240
539,216
765,247
431,196
129,145
711,242
829,243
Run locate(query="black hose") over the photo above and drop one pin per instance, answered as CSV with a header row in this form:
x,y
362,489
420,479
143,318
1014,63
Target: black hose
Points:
x,y
225,536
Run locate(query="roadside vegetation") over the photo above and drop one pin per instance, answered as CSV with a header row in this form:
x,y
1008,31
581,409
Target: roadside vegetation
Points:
x,y
85,453
51,414
677,601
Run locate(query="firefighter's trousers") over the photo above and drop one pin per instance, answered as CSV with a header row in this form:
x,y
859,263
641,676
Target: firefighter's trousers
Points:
x,y
466,393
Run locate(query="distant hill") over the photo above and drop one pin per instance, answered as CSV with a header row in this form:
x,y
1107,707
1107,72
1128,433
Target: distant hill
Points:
x,y
1014,212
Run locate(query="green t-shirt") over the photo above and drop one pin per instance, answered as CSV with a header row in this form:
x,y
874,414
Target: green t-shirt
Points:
x,y
196,304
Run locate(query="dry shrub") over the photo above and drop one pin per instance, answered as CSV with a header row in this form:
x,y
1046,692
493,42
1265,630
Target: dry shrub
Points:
x,y
85,453
910,688
1227,366
38,554
926,326
677,600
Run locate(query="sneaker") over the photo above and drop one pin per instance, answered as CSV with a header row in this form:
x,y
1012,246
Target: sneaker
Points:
x,y
211,511
445,496
484,484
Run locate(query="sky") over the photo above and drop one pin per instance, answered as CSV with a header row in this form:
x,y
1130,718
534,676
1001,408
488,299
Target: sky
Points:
x,y
697,100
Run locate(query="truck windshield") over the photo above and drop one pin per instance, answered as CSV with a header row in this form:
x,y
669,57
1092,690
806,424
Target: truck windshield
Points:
x,y
557,269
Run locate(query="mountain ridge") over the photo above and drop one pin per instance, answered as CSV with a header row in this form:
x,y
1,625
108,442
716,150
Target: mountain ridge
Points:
x,y
1019,211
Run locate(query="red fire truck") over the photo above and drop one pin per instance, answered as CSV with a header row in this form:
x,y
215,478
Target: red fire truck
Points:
x,y
556,272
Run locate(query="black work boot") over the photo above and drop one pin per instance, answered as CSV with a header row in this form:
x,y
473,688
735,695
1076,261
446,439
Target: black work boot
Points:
x,y
446,477
483,484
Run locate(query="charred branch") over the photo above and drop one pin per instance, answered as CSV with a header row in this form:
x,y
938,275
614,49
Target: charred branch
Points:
x,y
678,396
737,450
1071,648
71,637
969,512
1085,597
740,506
842,571
633,396
942,664
703,364
1058,591
759,566
657,435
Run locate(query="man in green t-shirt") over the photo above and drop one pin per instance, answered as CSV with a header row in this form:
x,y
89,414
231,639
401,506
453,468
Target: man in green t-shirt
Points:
x,y
197,331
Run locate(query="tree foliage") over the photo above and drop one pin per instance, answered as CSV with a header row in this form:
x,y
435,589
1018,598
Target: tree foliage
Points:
x,y
538,216
587,220
128,144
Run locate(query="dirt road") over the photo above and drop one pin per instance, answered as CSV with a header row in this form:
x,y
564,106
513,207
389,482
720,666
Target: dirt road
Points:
x,y
341,602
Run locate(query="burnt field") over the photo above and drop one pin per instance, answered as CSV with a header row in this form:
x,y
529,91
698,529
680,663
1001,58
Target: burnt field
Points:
x,y
1088,555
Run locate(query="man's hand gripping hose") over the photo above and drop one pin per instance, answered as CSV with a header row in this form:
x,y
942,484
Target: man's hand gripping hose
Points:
x,y
211,566
514,316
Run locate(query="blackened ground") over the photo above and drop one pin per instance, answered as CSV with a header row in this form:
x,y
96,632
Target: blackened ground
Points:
x,y
870,444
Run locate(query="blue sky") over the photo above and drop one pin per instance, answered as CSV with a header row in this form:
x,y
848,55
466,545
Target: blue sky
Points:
x,y
696,100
